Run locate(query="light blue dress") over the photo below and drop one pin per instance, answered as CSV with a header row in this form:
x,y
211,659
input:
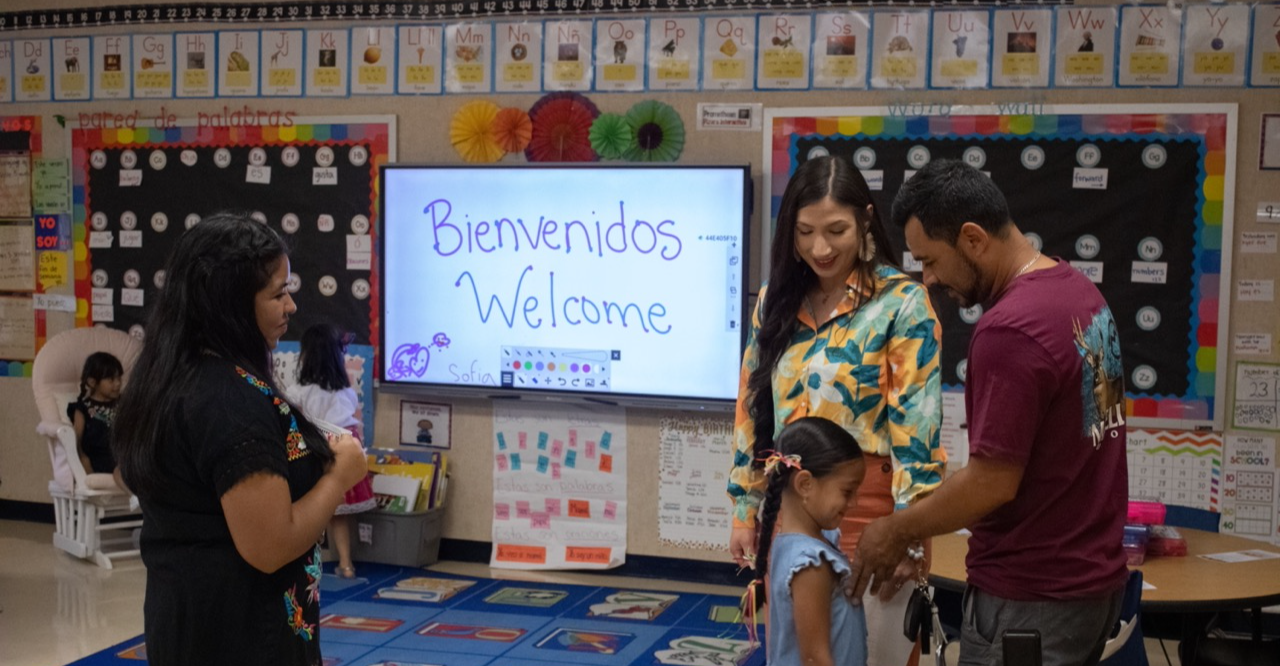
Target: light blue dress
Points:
x,y
790,554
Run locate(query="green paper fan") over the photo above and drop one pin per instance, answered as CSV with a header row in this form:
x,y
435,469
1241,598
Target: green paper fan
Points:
x,y
611,136
659,132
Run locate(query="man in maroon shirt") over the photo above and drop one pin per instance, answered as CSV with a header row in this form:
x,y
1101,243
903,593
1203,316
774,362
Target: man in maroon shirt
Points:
x,y
1045,490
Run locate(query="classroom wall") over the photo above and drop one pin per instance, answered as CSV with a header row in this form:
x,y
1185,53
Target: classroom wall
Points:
x,y
422,132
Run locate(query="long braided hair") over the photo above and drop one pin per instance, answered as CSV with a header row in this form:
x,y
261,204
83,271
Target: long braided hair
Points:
x,y
821,446
791,278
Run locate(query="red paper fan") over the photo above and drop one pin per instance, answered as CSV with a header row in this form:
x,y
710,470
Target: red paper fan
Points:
x,y
561,129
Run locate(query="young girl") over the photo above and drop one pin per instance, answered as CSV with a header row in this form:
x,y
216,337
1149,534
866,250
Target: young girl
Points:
x,y
815,470
324,392
94,411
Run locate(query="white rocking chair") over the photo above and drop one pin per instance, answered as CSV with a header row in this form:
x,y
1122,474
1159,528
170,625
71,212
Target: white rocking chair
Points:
x,y
82,500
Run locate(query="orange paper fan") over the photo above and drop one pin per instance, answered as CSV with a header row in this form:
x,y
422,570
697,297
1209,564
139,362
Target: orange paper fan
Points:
x,y
512,129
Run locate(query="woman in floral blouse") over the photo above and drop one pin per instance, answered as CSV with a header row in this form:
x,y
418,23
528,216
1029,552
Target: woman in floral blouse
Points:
x,y
841,333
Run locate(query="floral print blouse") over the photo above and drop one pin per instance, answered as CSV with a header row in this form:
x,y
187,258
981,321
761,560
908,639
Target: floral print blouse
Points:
x,y
874,371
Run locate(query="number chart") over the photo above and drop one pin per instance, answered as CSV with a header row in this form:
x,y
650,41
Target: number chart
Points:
x,y
1257,397
1182,468
1249,487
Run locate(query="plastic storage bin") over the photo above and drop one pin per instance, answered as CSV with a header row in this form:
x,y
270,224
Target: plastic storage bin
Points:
x,y
1145,513
403,539
1135,543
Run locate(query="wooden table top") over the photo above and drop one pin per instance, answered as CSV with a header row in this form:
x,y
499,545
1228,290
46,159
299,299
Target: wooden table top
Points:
x,y
1183,584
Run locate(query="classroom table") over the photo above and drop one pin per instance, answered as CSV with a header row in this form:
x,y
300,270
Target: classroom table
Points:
x,y
1182,584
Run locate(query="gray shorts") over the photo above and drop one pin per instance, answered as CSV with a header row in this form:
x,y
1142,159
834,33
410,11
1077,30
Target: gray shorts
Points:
x,y
1072,633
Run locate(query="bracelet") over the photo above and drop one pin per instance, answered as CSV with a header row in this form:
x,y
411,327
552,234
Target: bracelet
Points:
x,y
916,551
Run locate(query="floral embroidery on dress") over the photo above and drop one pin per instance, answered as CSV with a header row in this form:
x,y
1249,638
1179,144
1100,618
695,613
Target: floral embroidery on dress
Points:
x,y
294,612
314,572
294,443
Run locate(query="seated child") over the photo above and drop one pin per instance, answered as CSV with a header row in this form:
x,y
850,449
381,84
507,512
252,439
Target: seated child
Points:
x,y
94,411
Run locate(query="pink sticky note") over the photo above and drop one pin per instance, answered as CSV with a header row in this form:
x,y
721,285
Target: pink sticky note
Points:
x,y
591,449
540,521
573,438
502,462
610,510
555,470
522,509
524,440
557,447
502,511
553,507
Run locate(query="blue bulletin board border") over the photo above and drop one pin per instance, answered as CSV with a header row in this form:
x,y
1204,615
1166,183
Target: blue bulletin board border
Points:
x,y
1213,126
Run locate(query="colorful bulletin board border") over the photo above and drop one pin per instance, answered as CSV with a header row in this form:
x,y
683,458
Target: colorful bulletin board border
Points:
x,y
377,131
1210,127
31,125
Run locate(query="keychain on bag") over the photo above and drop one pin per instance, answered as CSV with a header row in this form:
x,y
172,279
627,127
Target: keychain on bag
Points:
x,y
921,621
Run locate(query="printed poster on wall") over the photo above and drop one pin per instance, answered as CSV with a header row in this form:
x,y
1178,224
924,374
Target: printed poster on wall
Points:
x,y
840,49
420,66
71,68
620,54
1265,71
728,52
693,510
1149,45
1175,467
566,55
468,56
961,48
1021,48
1215,45
782,51
112,67
1084,56
674,58
1249,481
239,62
32,65
281,58
6,72
196,56
516,49
153,66
328,63
901,49
373,59
559,487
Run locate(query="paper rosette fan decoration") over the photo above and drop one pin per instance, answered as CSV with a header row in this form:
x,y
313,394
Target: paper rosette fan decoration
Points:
x,y
611,136
471,132
561,128
659,132
512,129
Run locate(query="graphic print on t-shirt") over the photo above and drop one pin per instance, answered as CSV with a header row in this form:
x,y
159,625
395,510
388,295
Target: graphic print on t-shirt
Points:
x,y
1102,374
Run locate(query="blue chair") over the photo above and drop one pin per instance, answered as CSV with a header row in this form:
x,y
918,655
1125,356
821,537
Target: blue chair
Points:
x,y
1126,647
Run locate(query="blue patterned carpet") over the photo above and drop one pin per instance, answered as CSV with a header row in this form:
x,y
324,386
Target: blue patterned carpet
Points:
x,y
395,616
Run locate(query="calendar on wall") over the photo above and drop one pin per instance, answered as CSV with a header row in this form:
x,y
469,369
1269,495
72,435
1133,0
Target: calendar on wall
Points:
x,y
1182,468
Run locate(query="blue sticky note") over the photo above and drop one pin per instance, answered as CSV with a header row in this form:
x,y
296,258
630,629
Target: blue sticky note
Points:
x,y
542,441
502,442
515,461
604,440
543,462
571,458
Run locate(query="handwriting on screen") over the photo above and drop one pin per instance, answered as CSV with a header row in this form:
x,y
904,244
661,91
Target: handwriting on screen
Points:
x,y
533,299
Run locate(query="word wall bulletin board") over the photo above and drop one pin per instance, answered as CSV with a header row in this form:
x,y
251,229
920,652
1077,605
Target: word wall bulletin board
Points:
x,y
22,326
1138,198
314,181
